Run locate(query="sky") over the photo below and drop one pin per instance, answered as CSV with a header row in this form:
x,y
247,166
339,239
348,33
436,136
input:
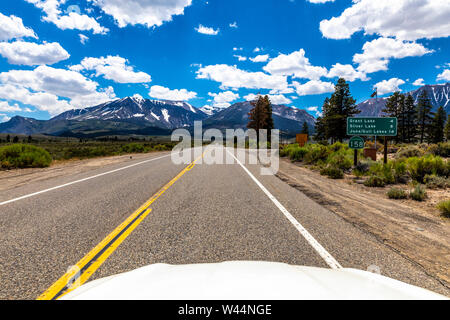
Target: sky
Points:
x,y
57,55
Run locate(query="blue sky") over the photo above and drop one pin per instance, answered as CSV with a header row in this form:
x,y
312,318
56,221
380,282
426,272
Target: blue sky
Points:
x,y
61,54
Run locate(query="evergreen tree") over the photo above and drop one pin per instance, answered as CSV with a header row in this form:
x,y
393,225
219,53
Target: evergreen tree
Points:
x,y
424,115
305,128
410,119
16,139
8,138
337,109
437,126
447,128
395,107
260,117
30,139
320,129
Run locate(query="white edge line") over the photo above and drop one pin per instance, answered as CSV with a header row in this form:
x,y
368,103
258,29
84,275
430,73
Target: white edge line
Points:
x,y
81,180
332,262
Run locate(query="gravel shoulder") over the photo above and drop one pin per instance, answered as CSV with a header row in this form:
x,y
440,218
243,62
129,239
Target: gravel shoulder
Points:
x,y
412,230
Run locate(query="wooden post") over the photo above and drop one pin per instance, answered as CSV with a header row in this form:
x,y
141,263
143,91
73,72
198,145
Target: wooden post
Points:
x,y
385,150
355,160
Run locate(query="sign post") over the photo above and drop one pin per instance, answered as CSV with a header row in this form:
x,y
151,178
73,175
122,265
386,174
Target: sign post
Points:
x,y
373,126
356,143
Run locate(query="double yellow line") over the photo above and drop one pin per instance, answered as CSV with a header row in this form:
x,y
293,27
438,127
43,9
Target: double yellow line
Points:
x,y
85,268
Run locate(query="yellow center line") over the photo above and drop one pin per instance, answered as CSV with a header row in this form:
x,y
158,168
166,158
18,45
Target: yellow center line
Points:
x,y
86,267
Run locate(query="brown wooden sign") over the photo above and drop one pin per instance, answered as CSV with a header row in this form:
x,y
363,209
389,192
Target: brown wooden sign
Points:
x,y
302,139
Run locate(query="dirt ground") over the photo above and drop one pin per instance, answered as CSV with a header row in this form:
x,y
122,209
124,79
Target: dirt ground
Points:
x,y
413,229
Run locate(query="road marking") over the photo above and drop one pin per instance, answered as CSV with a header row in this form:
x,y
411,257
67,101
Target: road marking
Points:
x,y
332,262
97,256
81,180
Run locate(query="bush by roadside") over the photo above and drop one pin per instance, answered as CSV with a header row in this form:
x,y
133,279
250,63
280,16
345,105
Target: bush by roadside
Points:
x,y
444,208
24,156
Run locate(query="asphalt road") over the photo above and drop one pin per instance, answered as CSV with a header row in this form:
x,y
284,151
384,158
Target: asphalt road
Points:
x,y
208,213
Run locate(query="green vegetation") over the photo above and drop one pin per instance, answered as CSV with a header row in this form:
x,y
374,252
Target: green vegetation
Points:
x,y
397,193
418,193
444,207
332,172
24,156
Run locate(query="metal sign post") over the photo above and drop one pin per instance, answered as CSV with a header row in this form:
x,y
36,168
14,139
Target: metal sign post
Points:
x,y
356,143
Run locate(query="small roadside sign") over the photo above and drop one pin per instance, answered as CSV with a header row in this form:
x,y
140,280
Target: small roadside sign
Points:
x,y
356,143
302,139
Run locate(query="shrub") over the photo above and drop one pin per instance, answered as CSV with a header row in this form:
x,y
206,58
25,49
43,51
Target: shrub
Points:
x,y
133,148
409,152
444,207
340,160
24,156
419,193
420,167
374,181
436,182
383,171
332,172
316,152
362,168
396,193
297,154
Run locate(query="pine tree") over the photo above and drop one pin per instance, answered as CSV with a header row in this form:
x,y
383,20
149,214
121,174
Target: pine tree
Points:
x,y
410,119
447,128
260,117
437,126
395,107
320,129
337,109
8,138
424,115
305,128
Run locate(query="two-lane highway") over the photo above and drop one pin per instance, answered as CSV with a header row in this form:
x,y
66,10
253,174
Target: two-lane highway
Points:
x,y
175,214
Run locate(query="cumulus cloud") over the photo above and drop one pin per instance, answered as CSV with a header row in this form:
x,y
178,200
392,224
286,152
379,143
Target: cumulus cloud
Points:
x,y
149,13
223,99
232,77
403,19
71,21
388,86
444,76
313,87
207,30
274,98
419,82
4,118
12,28
376,53
31,54
43,87
260,58
296,65
160,92
6,107
316,110
347,72
240,58
83,38
113,68
234,25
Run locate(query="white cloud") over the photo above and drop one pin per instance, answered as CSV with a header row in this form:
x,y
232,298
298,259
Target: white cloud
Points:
x,y
223,99
419,82
43,87
376,53
146,12
207,30
240,58
320,1
238,49
347,72
257,49
403,19
234,25
316,110
232,77
31,54
4,118
388,86
12,28
83,38
113,68
260,58
71,21
160,92
295,64
5,107
444,76
313,87
274,98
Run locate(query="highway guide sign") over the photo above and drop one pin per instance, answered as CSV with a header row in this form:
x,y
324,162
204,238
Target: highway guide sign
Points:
x,y
356,143
372,126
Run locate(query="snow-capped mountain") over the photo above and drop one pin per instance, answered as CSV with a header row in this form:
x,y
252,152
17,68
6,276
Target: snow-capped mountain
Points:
x,y
162,114
211,110
439,95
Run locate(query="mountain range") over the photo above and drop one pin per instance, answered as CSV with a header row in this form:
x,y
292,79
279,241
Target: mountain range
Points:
x,y
439,95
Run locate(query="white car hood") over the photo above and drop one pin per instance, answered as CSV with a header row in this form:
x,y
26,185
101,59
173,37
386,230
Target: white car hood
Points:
x,y
246,281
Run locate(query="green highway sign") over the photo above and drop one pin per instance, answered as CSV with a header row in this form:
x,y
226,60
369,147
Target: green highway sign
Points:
x,y
372,126
356,143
